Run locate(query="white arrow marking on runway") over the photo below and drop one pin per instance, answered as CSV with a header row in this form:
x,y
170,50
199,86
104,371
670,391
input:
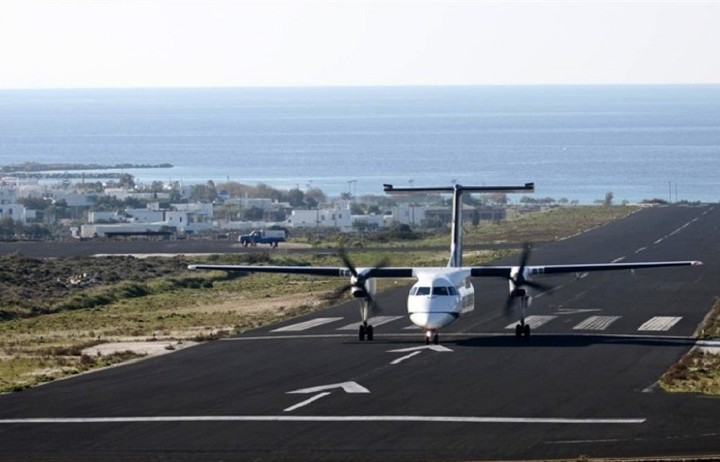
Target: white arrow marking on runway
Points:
x,y
416,351
348,387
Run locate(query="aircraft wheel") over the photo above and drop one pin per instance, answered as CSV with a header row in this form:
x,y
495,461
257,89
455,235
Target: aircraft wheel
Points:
x,y
518,330
427,340
369,331
362,332
526,330
436,339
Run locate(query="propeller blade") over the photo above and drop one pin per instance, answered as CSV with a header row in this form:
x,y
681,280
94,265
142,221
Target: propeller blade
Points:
x,y
338,293
361,280
524,258
346,261
538,286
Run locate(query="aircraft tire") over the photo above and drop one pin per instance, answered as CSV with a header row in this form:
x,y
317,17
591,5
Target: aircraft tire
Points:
x,y
362,332
526,331
369,331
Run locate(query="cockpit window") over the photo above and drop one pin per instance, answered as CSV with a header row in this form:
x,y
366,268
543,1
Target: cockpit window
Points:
x,y
423,291
441,290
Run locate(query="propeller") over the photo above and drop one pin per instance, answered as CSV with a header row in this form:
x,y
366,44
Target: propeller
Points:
x,y
359,283
518,281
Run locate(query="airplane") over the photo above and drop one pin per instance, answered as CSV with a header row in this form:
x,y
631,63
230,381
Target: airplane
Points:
x,y
442,295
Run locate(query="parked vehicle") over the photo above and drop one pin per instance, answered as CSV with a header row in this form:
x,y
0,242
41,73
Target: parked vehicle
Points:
x,y
265,236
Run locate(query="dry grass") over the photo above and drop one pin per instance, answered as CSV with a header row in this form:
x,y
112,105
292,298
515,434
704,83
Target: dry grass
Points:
x,y
699,370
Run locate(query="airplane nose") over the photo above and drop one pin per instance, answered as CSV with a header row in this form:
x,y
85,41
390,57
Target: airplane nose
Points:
x,y
432,321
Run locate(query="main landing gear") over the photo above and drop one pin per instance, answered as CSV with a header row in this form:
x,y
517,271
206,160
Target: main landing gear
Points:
x,y
432,336
366,331
522,329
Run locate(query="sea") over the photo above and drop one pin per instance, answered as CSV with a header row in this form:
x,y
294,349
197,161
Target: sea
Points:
x,y
574,142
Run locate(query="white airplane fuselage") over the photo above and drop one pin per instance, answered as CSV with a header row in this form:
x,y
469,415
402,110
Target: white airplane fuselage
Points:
x,y
439,297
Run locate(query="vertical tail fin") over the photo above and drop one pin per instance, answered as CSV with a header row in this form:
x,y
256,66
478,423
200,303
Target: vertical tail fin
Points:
x,y
457,191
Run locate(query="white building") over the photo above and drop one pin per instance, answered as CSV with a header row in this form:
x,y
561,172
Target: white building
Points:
x,y
146,215
413,215
197,208
90,231
118,193
15,212
8,195
104,217
373,221
73,199
321,218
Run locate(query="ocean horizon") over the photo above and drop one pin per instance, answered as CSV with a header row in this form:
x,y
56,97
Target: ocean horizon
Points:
x,y
574,142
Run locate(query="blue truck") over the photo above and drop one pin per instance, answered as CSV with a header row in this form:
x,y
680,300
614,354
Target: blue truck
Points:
x,y
265,236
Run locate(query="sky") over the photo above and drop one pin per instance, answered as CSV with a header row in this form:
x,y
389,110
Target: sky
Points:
x,y
211,43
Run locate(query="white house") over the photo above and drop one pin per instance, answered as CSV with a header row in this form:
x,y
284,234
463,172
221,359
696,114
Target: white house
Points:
x,y
407,214
8,195
104,217
321,218
15,212
197,208
146,215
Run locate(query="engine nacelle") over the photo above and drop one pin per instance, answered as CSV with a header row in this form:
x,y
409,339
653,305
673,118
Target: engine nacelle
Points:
x,y
358,292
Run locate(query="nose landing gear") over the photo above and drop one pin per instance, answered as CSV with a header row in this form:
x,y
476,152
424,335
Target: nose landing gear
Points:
x,y
431,336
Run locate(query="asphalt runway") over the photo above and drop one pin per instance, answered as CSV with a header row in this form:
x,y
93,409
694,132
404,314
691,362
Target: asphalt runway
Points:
x,y
307,389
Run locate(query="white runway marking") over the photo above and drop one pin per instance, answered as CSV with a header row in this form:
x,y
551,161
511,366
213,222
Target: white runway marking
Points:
x,y
596,323
376,321
312,418
399,360
660,323
534,321
301,326
307,401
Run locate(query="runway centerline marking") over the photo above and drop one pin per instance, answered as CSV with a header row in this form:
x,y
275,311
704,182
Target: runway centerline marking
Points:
x,y
321,418
414,351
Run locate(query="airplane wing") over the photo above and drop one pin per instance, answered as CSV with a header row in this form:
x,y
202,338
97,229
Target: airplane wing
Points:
x,y
475,271
402,272
532,270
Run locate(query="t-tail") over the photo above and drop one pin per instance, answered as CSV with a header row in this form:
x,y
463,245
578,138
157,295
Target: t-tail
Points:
x,y
457,191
